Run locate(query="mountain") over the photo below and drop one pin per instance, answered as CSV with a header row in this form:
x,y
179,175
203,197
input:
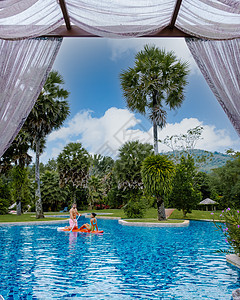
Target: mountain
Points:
x,y
212,160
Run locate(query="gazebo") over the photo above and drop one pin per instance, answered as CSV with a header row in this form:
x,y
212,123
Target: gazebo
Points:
x,y
209,203
31,32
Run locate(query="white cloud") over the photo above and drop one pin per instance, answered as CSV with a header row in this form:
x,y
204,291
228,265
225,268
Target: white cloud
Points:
x,y
106,134
178,45
100,135
212,139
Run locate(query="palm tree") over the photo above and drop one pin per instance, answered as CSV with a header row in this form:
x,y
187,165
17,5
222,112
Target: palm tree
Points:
x,y
157,174
95,190
128,165
73,167
48,114
53,196
155,82
17,154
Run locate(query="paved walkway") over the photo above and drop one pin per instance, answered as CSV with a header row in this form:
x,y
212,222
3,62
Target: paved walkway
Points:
x,y
169,211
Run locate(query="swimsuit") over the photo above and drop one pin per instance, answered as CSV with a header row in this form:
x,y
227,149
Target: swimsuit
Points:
x,y
73,223
94,225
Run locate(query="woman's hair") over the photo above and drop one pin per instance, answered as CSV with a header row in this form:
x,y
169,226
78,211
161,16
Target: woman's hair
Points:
x,y
94,215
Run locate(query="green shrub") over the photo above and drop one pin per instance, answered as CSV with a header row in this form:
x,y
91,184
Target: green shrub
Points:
x,y
231,228
4,204
135,208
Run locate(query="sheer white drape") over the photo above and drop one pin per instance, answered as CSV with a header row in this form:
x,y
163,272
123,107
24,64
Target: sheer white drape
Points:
x,y
215,19
24,67
220,65
120,18
29,18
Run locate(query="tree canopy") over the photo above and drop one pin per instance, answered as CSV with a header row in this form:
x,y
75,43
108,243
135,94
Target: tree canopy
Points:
x,y
157,175
156,81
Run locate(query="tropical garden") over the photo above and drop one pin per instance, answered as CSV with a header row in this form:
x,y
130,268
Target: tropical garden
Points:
x,y
140,179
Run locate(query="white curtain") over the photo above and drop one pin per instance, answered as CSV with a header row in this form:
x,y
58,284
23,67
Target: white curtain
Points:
x,y
215,19
24,67
220,65
120,18
28,18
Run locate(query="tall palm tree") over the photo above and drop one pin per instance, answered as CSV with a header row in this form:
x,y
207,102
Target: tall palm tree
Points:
x,y
128,165
95,190
156,82
48,114
73,166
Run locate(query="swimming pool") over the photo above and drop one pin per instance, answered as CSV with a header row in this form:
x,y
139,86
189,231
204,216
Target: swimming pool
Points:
x,y
37,262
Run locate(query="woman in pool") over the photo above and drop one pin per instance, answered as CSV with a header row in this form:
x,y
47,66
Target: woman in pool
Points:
x,y
93,224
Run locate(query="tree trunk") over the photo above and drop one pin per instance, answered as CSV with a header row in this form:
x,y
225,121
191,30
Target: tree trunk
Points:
x,y
155,138
91,203
19,208
74,195
155,134
39,209
184,213
161,210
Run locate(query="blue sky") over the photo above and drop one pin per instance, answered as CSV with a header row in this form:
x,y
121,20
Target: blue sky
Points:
x,y
99,118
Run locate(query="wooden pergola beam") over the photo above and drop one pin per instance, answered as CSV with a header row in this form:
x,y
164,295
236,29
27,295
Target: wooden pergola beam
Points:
x,y
65,14
78,32
175,14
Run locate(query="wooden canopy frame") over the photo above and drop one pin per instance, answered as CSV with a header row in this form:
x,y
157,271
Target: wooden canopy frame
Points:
x,y
69,30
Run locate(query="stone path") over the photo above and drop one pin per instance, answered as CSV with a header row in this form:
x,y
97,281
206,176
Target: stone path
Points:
x,y
169,211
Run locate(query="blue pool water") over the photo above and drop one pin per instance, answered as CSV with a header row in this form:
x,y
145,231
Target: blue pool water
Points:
x,y
37,262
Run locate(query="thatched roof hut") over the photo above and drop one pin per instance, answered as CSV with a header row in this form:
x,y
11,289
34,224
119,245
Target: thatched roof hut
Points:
x,y
207,202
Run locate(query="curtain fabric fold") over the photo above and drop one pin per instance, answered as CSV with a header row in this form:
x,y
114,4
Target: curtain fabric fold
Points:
x,y
220,65
120,18
215,19
29,18
24,67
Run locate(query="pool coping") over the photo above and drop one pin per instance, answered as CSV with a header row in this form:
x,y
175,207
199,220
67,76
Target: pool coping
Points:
x,y
120,221
147,224
53,221
233,259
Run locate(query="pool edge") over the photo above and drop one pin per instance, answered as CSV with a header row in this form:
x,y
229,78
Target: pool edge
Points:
x,y
146,224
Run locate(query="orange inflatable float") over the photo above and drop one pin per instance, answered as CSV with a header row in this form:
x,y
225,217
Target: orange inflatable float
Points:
x,y
78,230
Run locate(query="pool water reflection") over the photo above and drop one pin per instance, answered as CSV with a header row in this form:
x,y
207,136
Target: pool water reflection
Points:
x,y
37,262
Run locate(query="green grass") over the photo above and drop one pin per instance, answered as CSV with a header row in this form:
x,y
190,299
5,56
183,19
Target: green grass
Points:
x,y
114,212
151,214
24,218
196,215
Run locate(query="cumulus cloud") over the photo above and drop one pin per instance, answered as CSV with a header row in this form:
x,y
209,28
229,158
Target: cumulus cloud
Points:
x,y
106,134
212,139
121,48
102,135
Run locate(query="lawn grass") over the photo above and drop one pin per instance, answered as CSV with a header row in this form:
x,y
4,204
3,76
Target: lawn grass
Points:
x,y
24,218
112,212
151,214
196,215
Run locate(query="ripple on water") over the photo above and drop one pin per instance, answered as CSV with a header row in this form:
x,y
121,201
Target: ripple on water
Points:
x,y
37,262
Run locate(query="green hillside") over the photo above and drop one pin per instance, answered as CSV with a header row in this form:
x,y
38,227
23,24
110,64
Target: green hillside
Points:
x,y
211,161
